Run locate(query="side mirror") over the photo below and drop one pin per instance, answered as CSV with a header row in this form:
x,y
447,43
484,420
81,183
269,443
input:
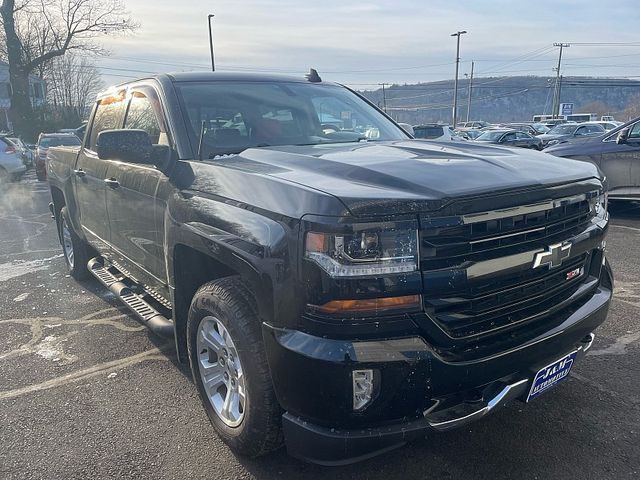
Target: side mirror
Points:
x,y
125,145
622,137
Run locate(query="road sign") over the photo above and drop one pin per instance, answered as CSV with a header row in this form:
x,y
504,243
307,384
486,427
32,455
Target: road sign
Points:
x,y
566,109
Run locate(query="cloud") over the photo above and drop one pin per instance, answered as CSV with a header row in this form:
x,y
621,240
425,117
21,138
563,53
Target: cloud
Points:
x,y
368,41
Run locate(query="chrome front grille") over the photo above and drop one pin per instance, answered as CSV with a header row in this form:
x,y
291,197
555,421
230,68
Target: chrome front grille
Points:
x,y
478,270
450,241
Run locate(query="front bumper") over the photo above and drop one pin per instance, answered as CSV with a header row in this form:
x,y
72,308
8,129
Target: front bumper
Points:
x,y
313,384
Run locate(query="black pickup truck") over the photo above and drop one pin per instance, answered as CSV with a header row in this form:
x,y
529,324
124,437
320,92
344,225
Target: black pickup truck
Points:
x,y
334,284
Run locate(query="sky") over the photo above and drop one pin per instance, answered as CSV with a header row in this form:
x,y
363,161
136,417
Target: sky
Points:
x,y
365,43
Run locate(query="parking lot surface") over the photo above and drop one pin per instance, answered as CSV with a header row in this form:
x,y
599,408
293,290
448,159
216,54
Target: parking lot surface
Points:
x,y
87,392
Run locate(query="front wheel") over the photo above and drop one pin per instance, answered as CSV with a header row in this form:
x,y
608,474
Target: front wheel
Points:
x,y
229,367
76,252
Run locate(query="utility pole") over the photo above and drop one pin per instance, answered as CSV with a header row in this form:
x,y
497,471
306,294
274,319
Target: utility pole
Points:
x,y
470,92
556,93
455,83
384,97
559,93
213,65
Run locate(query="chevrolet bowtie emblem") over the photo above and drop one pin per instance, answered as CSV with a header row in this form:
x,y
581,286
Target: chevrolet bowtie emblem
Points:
x,y
554,256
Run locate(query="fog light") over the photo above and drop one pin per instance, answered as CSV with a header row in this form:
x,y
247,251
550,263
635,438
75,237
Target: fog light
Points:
x,y
362,388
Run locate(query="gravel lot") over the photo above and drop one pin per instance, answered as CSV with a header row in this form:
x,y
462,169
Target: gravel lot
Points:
x,y
87,392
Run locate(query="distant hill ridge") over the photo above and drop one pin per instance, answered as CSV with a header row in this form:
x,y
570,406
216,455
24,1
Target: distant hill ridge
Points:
x,y
505,99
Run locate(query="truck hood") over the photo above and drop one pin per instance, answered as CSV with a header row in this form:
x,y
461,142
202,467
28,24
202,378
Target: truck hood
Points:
x,y
408,175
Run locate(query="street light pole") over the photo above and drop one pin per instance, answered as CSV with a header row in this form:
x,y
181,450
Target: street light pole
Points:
x,y
213,65
455,83
470,92
556,92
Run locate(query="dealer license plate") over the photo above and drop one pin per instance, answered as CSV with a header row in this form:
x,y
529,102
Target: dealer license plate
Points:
x,y
551,375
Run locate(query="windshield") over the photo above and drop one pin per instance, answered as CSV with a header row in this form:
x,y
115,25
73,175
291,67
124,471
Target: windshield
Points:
x,y
70,140
562,130
490,136
230,117
540,128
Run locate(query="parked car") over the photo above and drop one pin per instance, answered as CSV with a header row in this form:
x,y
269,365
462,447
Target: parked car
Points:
x,y
608,125
474,124
471,134
435,131
11,165
561,133
510,138
617,153
78,131
47,140
531,128
345,295
555,122
25,153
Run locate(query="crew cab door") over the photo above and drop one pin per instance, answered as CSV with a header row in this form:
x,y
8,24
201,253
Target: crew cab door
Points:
x,y
136,217
90,173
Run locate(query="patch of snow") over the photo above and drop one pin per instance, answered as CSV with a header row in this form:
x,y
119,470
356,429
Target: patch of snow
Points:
x,y
51,348
18,268
21,297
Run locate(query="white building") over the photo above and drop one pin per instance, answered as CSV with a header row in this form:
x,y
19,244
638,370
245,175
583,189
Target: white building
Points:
x,y
37,92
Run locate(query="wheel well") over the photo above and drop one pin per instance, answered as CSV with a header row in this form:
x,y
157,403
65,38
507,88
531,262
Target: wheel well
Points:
x,y
58,202
58,199
191,269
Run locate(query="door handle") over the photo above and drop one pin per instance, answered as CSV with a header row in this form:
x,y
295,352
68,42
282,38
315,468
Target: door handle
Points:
x,y
80,172
112,182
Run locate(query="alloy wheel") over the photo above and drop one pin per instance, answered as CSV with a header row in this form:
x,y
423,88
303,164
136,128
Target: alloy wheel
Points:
x,y
221,371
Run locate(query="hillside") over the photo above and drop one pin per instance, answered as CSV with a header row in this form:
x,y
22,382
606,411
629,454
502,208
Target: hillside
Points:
x,y
503,99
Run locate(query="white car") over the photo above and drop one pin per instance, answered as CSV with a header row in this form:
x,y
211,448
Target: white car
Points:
x,y
11,166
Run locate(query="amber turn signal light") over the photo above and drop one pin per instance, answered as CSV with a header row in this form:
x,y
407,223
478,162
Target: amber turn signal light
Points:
x,y
369,305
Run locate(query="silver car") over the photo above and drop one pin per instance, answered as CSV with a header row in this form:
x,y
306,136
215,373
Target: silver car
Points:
x,y
11,165
616,152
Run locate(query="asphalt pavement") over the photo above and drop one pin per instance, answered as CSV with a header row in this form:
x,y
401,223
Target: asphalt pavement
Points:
x,y
87,392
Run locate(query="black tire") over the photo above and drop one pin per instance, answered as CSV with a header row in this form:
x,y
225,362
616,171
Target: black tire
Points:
x,y
82,252
230,301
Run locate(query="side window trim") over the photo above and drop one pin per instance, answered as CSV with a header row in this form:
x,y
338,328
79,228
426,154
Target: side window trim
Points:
x,y
87,134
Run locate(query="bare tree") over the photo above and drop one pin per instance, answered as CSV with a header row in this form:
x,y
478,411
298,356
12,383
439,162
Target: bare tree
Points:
x,y
632,109
37,31
73,83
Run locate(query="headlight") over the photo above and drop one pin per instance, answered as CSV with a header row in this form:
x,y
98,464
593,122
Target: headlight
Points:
x,y
367,251
552,142
600,204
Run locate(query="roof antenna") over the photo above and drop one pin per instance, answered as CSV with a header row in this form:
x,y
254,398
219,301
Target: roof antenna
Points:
x,y
313,76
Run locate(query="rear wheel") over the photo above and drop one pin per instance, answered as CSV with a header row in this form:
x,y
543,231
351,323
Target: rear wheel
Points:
x,y
76,252
229,367
4,176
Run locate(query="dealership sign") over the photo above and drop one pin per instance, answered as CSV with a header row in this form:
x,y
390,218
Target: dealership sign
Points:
x,y
566,109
